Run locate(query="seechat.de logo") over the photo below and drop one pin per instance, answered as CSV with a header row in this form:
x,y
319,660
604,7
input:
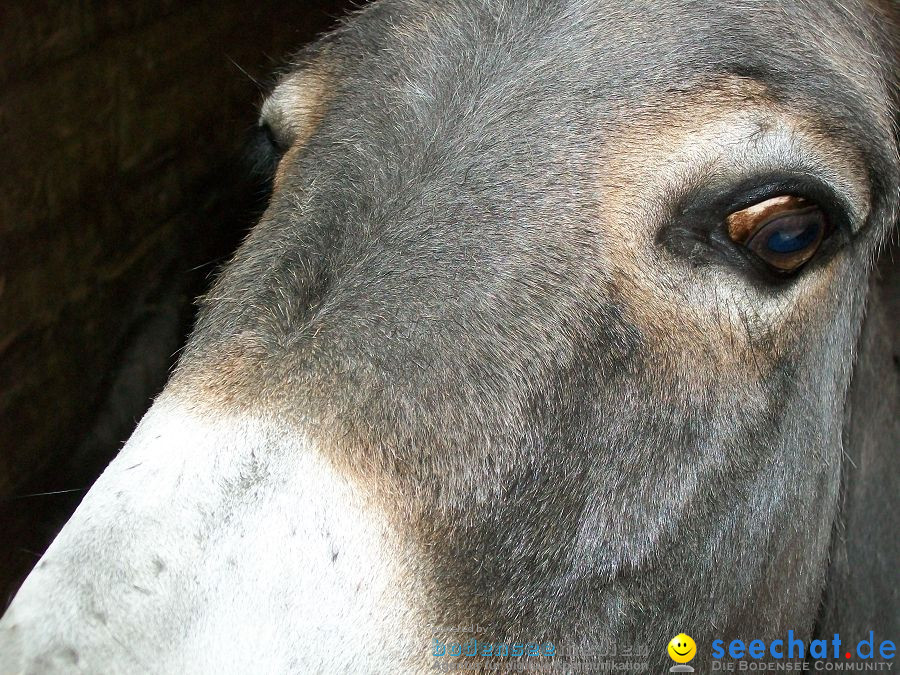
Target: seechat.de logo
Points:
x,y
796,648
796,654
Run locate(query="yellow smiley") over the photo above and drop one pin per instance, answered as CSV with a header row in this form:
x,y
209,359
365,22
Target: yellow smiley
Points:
x,y
682,648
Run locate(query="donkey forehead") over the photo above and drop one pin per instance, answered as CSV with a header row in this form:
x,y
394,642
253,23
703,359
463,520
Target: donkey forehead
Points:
x,y
544,66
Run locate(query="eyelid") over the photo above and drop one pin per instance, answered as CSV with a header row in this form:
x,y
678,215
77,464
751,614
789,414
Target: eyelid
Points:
x,y
737,160
272,117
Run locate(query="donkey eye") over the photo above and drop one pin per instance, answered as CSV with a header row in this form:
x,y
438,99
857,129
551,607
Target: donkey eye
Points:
x,y
264,151
784,232
277,146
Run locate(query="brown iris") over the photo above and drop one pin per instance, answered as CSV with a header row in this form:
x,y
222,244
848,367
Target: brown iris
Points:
x,y
785,232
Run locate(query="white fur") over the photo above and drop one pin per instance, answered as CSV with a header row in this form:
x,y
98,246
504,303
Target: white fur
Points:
x,y
216,545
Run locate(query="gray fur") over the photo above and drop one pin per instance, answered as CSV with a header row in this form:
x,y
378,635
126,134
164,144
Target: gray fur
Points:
x,y
431,239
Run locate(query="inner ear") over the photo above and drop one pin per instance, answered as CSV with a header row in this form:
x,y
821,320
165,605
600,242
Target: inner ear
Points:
x,y
861,592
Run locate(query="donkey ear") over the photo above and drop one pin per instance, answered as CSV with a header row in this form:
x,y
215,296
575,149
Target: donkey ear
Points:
x,y
862,592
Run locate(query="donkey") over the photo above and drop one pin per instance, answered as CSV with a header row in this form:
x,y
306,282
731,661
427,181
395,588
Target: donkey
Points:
x,y
568,322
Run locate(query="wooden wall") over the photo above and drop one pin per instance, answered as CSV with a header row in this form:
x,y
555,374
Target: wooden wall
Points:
x,y
121,191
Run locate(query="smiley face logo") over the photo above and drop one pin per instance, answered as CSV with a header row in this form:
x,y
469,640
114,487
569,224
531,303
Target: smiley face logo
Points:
x,y
682,648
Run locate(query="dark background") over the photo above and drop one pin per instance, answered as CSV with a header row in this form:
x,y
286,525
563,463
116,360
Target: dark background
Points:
x,y
123,188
